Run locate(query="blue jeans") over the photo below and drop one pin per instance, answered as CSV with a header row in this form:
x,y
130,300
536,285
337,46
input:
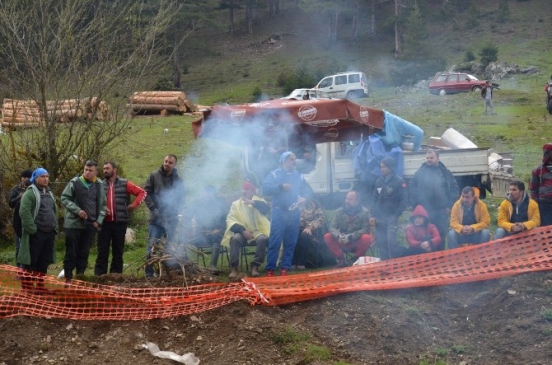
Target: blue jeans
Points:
x,y
155,232
284,228
454,238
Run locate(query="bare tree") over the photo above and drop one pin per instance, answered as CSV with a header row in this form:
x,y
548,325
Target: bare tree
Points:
x,y
54,50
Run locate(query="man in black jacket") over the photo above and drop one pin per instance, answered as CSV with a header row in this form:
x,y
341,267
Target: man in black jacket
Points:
x,y
434,187
390,200
165,199
14,202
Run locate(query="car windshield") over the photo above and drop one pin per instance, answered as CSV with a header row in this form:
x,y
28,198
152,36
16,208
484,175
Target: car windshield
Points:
x,y
297,93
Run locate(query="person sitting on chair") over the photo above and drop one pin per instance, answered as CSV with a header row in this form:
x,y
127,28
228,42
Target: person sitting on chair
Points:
x,y
349,230
517,213
247,223
208,223
469,220
312,221
421,236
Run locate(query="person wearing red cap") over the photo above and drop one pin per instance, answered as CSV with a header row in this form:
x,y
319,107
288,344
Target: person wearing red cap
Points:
x,y
247,223
541,185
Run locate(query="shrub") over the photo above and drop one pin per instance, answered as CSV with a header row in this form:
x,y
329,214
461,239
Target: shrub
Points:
x,y
469,56
488,54
257,93
503,14
301,78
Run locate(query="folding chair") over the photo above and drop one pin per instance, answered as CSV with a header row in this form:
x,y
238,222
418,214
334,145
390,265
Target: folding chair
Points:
x,y
203,251
244,252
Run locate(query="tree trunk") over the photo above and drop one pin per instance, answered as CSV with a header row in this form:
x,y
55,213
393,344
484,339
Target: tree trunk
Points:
x,y
231,14
397,37
373,17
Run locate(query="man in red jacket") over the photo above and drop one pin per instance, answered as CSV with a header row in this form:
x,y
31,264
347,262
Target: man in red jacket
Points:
x,y
116,220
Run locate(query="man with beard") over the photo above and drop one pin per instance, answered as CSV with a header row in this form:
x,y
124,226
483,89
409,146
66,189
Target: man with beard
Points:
x,y
84,202
541,185
165,199
116,219
517,213
469,220
390,200
434,187
349,230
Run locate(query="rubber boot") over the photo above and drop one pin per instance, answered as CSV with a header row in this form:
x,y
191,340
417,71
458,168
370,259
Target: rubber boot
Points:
x,y
255,271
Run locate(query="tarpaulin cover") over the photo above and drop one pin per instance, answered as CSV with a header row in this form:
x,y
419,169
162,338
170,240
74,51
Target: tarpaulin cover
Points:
x,y
325,120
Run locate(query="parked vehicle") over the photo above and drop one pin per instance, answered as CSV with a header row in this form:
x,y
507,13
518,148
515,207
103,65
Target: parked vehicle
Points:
x,y
345,85
306,94
452,83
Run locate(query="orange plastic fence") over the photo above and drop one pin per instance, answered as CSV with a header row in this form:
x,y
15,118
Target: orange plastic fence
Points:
x,y
526,252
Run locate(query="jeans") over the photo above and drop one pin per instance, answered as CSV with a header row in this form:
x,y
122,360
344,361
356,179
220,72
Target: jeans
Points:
x,y
386,238
454,238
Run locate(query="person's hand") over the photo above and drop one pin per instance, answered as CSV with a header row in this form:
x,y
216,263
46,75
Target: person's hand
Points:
x,y
301,202
215,231
248,202
518,227
82,214
425,246
248,236
372,221
96,226
308,231
131,208
343,238
467,230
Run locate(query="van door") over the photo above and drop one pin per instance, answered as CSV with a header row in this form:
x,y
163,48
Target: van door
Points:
x,y
327,85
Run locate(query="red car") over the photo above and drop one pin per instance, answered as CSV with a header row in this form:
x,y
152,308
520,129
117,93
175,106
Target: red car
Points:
x,y
451,83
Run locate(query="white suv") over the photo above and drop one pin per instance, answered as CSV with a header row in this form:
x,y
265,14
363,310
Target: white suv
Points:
x,y
350,85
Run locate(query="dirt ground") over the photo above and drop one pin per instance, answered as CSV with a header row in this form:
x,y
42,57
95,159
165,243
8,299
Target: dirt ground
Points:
x,y
493,322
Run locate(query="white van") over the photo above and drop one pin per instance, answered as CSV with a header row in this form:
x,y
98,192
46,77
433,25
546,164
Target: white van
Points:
x,y
350,85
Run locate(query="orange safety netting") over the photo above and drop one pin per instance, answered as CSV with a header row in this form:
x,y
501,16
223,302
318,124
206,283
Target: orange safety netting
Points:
x,y
525,252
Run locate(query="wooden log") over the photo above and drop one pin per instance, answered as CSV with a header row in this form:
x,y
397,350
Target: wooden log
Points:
x,y
160,94
168,100
155,107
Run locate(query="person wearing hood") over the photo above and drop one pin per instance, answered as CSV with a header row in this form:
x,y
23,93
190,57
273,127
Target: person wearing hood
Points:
x,y
517,213
540,186
84,199
390,200
434,187
349,230
421,236
165,200
289,192
38,212
469,220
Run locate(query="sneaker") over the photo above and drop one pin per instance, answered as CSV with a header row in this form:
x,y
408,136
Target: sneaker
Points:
x,y
269,273
283,272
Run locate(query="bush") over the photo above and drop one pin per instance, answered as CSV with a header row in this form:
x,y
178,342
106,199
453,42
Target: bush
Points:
x,y
257,93
469,56
301,78
488,54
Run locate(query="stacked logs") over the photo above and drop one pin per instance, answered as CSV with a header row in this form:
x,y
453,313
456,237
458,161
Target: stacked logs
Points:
x,y
27,113
160,102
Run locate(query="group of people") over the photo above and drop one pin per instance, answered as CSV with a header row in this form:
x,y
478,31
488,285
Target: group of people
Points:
x,y
103,208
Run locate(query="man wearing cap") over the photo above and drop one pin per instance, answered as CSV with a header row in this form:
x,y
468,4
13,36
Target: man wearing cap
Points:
x,y
247,223
84,200
116,220
390,200
289,192
469,220
14,201
38,212
487,95
434,187
541,185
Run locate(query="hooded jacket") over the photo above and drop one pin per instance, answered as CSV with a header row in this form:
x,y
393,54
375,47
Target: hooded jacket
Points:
x,y
415,235
541,179
506,210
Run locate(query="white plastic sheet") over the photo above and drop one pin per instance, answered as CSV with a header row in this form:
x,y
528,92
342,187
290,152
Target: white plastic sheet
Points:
x,y
188,359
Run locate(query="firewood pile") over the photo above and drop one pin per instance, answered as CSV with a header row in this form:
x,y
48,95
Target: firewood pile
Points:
x,y
28,113
160,102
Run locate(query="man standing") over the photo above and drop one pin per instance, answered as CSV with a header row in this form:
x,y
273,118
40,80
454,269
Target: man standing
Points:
x,y
469,220
349,230
39,222
116,219
247,223
390,200
289,191
14,201
208,221
541,185
85,203
517,213
165,199
487,95
434,187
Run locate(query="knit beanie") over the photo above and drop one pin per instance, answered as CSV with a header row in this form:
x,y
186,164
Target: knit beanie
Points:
x,y
390,163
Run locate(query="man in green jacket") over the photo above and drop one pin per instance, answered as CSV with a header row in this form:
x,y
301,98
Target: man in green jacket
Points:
x,y
84,199
38,214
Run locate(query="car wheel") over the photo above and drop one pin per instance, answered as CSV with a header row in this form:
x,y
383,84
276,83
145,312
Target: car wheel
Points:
x,y
549,106
476,89
442,92
352,95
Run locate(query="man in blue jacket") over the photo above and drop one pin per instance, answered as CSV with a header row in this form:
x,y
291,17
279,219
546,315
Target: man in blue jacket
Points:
x,y
289,192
